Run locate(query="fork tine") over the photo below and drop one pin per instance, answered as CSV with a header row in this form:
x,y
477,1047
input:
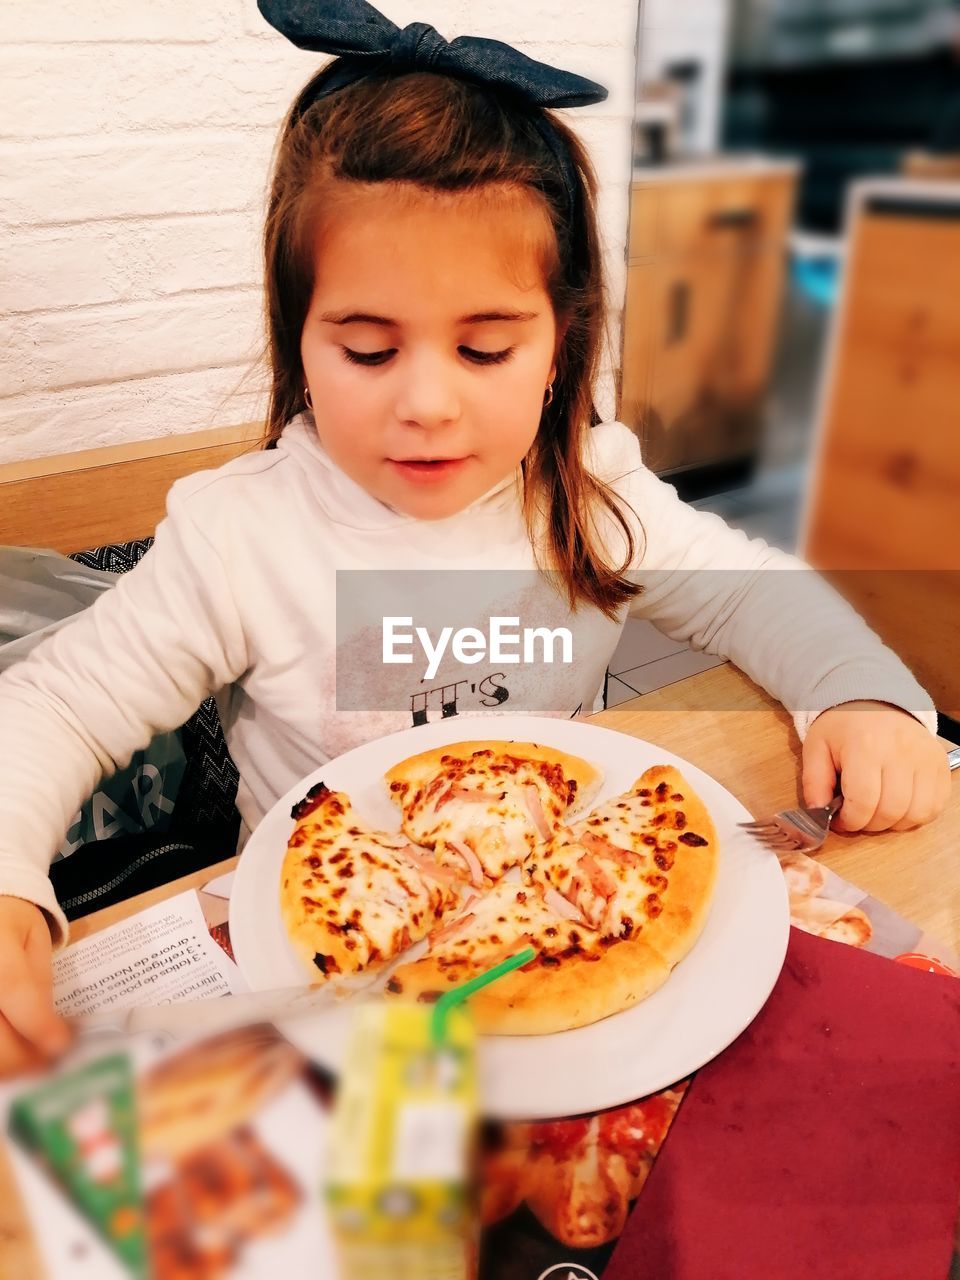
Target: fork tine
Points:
x,y
758,827
781,841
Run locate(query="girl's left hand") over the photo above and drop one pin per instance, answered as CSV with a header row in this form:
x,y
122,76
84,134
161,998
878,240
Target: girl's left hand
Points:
x,y
893,771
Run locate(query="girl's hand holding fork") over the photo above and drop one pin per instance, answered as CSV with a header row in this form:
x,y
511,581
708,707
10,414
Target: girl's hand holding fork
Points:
x,y
893,772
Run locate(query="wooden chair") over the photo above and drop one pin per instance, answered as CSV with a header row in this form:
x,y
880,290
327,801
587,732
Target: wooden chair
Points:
x,y
885,490
76,501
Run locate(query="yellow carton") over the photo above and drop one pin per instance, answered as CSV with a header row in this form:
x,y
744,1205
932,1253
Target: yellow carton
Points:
x,y
399,1181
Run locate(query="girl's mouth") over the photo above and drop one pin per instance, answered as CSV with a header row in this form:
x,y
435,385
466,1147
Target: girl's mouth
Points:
x,y
427,470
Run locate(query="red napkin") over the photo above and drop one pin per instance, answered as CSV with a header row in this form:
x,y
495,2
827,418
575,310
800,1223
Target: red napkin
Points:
x,y
824,1142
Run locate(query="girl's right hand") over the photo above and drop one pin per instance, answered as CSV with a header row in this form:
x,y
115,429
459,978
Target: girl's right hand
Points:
x,y
31,1030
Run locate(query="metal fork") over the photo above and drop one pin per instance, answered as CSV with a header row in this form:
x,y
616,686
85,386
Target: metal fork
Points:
x,y
805,829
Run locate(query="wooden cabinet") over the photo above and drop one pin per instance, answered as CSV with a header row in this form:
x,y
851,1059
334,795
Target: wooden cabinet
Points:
x,y
886,483
704,286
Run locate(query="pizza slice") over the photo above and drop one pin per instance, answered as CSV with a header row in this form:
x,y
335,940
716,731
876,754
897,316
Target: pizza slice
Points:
x,y
575,979
635,1132
584,1171
483,806
352,897
644,862
582,1195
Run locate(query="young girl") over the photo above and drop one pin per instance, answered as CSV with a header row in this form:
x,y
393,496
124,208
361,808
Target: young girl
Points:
x,y
434,313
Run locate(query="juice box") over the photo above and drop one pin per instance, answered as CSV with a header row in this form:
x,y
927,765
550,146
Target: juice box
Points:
x,y
399,1180
81,1127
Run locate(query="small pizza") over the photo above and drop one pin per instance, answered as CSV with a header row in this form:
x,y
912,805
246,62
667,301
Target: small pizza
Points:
x,y
853,928
353,898
491,860
611,905
804,877
484,806
223,1196
817,915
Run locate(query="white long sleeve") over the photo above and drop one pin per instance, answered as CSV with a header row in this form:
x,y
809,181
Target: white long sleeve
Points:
x,y
137,662
239,595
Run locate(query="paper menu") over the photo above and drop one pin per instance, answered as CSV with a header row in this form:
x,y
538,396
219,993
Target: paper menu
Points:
x,y
158,956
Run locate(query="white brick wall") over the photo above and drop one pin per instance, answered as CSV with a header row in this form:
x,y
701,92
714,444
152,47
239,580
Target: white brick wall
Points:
x,y
135,139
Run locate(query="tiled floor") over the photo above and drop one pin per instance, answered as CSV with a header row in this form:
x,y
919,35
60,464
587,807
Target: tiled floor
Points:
x,y
769,508
645,658
652,673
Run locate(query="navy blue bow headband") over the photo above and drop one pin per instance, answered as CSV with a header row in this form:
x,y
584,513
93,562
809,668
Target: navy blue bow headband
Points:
x,y
368,43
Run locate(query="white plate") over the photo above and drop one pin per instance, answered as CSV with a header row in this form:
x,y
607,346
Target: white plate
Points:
x,y
711,996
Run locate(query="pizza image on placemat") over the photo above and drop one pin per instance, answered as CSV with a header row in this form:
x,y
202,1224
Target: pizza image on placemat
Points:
x,y
578,1176
497,853
216,1186
219,1198
820,916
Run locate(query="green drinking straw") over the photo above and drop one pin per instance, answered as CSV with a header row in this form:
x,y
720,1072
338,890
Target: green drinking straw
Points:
x,y
450,999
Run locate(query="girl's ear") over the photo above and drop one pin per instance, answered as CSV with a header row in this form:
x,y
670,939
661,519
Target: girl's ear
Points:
x,y
562,326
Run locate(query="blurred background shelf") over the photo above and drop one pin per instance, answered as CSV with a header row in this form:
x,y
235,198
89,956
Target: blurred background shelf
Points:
x,y
704,292
791,336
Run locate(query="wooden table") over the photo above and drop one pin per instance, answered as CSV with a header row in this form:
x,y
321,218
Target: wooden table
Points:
x,y
722,722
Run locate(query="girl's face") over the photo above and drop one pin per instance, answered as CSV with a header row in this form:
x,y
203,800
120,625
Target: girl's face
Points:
x,y
429,342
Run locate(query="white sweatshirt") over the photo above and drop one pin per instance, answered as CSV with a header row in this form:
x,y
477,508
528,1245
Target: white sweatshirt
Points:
x,y
239,596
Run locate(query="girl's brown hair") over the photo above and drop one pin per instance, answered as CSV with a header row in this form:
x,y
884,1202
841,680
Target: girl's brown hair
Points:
x,y
444,134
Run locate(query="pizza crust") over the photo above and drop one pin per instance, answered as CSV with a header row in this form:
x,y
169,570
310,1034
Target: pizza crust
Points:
x,y
427,764
575,993
540,1000
686,902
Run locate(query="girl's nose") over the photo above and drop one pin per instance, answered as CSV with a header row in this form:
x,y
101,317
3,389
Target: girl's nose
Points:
x,y
428,394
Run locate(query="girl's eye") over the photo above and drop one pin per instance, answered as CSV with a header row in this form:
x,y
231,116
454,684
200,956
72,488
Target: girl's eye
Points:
x,y
487,357
368,357
373,358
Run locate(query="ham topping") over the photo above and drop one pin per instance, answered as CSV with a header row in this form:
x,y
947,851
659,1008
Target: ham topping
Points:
x,y
471,859
604,849
602,883
427,867
449,930
593,909
470,794
559,904
399,841
531,796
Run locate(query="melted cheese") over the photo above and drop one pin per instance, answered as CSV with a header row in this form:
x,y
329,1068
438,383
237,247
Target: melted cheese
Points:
x,y
502,919
501,832
364,891
630,822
